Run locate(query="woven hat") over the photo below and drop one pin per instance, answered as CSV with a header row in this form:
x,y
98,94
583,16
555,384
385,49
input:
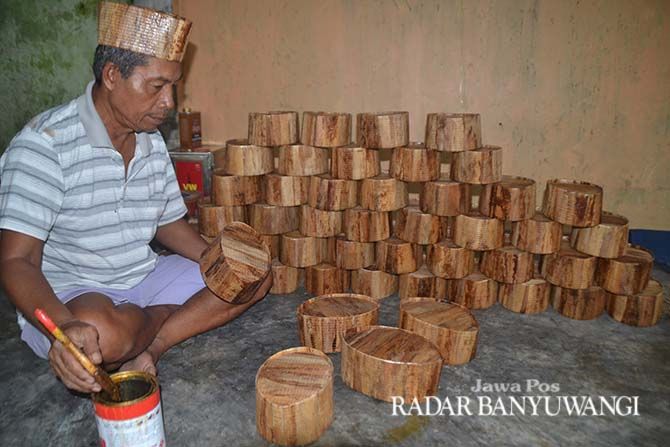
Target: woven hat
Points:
x,y
143,30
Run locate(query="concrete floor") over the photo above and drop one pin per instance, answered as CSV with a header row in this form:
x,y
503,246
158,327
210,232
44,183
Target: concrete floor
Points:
x,y
208,384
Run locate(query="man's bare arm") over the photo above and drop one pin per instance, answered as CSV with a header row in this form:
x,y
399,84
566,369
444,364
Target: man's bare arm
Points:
x,y
182,239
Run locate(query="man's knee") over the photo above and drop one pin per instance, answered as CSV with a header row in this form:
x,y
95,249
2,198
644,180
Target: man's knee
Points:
x,y
115,340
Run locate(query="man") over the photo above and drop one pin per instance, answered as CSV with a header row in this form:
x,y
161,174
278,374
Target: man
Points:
x,y
84,188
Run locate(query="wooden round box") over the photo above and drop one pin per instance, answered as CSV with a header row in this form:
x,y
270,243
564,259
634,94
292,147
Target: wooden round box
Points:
x,y
450,326
383,362
294,396
323,320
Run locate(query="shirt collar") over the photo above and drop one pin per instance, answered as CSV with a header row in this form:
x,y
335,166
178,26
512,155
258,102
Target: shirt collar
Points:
x,y
96,130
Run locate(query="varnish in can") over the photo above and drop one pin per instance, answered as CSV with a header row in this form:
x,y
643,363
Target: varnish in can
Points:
x,y
137,420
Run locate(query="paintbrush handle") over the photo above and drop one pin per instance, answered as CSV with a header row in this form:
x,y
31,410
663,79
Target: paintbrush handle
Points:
x,y
43,318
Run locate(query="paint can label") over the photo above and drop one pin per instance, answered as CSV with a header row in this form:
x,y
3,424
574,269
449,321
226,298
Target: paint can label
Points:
x,y
142,431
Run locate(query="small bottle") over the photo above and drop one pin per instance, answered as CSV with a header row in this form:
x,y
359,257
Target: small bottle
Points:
x,y
190,134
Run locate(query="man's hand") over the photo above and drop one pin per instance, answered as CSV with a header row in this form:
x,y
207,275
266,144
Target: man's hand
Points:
x,y
66,366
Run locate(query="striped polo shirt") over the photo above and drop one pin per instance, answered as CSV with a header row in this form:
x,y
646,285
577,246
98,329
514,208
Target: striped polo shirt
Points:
x,y
62,181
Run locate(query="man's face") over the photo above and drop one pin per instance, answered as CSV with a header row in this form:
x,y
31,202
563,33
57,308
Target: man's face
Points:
x,y
143,100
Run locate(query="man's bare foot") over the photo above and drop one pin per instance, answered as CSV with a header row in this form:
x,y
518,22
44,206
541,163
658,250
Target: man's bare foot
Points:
x,y
143,362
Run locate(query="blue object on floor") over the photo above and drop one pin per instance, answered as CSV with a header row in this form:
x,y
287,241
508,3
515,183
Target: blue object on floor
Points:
x,y
658,242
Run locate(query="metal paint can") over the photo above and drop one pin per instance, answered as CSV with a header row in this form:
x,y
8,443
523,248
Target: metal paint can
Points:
x,y
137,420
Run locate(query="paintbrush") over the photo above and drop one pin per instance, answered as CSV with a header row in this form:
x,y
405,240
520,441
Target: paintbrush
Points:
x,y
98,373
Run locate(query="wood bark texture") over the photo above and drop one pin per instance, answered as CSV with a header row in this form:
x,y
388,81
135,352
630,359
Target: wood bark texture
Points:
x,y
450,261
273,128
628,274
383,193
326,129
476,232
415,163
354,163
578,304
538,235
475,291
642,309
445,198
235,190
453,132
374,283
396,256
574,203
302,160
384,130
478,166
569,268
271,219
512,199
286,190
243,158
332,194
608,239
322,279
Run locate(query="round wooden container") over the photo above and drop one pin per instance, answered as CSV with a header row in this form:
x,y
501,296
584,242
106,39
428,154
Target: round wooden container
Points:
x,y
453,132
507,264
478,166
578,304
330,254
385,130
243,158
273,128
286,190
272,241
569,268
422,283
322,321
642,309
476,232
448,260
415,163
628,274
354,162
513,199
294,396
475,291
320,223
365,225
285,279
235,190
332,194
397,256
352,255
325,129
302,160
374,283
270,219
445,198
236,264
608,239
383,193
529,297
298,250
212,219
573,203
383,362
537,235
413,225
322,279
451,327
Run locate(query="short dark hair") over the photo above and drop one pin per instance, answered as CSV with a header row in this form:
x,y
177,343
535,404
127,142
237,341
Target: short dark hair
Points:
x,y
126,60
